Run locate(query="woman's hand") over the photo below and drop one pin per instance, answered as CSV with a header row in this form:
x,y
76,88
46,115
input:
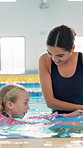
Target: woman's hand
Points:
x,y
74,113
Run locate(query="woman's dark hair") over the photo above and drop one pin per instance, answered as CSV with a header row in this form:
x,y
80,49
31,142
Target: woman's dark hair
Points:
x,y
61,36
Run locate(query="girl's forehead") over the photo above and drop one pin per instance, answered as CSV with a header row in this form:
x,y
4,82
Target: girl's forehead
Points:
x,y
23,94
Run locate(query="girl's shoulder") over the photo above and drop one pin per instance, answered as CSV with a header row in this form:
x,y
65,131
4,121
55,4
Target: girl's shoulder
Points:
x,y
1,115
9,121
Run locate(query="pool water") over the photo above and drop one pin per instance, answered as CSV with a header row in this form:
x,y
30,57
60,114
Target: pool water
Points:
x,y
44,128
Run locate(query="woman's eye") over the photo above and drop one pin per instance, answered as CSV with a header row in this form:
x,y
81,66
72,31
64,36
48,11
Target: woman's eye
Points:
x,y
60,55
49,52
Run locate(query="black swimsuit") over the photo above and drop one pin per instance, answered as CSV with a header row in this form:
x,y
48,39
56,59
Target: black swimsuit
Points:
x,y
68,89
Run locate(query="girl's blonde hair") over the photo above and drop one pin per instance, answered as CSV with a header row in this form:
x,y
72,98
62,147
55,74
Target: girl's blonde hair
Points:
x,y
9,92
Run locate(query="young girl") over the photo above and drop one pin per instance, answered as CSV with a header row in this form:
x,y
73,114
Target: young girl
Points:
x,y
13,103
14,100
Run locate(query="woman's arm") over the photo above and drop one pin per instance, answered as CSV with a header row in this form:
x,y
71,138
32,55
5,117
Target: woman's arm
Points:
x,y
46,85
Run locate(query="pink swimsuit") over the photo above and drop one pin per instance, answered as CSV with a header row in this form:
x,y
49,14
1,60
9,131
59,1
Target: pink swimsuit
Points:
x,y
11,121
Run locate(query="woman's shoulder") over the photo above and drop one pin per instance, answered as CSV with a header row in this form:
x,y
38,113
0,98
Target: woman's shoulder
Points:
x,y
45,55
82,57
79,53
45,58
45,61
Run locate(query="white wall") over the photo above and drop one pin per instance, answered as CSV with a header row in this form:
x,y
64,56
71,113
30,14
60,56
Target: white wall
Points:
x,y
25,18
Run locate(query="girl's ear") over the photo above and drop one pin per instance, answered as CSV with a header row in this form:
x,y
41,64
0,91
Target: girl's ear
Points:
x,y
9,104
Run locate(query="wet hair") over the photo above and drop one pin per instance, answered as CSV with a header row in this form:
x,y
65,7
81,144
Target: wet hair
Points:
x,y
9,92
61,36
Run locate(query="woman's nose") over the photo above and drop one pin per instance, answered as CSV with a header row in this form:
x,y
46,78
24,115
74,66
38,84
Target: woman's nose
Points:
x,y
54,58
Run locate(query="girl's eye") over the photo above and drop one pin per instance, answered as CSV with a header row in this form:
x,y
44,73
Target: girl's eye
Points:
x,y
26,103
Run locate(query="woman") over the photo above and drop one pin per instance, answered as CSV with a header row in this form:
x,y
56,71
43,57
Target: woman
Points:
x,y
61,71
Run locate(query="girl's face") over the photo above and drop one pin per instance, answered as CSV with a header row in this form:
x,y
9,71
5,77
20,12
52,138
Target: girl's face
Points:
x,y
20,107
59,55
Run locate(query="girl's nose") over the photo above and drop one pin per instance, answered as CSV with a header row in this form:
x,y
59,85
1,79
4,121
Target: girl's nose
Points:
x,y
28,107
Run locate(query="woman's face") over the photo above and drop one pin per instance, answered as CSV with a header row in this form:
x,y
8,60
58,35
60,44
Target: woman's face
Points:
x,y
58,55
21,106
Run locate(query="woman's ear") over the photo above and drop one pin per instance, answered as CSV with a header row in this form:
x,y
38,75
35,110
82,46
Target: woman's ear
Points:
x,y
9,104
72,49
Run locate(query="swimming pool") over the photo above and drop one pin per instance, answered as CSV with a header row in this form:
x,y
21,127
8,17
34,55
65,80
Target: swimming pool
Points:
x,y
45,128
